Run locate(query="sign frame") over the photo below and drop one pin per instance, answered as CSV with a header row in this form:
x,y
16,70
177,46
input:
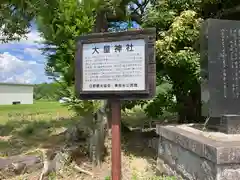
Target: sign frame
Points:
x,y
149,37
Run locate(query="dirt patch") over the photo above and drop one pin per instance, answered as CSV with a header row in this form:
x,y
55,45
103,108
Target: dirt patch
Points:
x,y
138,162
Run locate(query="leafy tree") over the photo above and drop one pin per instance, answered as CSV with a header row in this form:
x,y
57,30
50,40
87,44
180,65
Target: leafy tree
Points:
x,y
47,91
117,10
15,18
178,23
60,25
177,60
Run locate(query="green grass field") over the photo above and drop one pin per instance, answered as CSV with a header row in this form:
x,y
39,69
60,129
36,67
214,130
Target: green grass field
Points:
x,y
23,127
40,110
36,106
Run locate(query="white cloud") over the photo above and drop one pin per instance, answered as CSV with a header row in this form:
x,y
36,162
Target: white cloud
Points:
x,y
32,38
13,69
27,77
9,63
14,60
33,52
20,56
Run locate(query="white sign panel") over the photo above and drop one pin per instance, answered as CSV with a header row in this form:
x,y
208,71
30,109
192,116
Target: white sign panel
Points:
x,y
114,66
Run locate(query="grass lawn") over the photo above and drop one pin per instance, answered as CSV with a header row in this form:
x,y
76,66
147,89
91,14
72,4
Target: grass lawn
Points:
x,y
28,111
39,107
23,127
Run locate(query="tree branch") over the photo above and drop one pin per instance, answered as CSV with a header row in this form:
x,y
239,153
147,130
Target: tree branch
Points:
x,y
142,6
136,17
133,16
227,12
81,170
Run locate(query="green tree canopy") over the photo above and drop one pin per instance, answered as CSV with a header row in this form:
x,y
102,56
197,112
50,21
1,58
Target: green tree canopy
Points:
x,y
15,18
47,91
60,25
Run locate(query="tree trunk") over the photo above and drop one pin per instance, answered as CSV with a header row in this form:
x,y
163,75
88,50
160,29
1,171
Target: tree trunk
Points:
x,y
189,106
101,24
97,140
124,128
181,108
108,111
195,105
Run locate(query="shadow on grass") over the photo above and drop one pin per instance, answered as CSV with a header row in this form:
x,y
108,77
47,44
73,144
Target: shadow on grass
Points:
x,y
138,144
141,144
17,136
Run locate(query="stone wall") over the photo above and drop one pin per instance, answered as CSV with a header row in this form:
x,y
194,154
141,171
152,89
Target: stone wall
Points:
x,y
197,157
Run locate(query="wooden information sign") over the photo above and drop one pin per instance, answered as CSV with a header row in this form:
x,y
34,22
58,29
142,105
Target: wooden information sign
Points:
x,y
117,65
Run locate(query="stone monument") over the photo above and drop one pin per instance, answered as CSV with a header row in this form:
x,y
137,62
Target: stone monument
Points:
x,y
220,61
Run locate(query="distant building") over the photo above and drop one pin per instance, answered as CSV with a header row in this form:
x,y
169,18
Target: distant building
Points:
x,y
13,93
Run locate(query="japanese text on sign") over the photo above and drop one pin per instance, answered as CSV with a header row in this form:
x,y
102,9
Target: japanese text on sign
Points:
x,y
114,66
230,62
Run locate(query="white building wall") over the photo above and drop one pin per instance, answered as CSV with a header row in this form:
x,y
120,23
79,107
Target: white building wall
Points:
x,y
10,93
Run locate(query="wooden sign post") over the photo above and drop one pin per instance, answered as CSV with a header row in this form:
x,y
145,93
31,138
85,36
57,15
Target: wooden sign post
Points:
x,y
116,66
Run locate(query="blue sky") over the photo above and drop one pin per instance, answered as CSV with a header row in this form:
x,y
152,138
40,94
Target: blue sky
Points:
x,y
22,62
